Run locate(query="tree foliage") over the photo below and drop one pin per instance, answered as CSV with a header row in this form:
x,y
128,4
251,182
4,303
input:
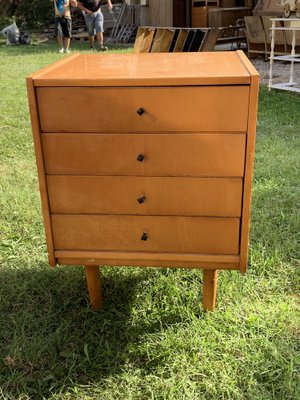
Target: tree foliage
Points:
x,y
8,8
36,13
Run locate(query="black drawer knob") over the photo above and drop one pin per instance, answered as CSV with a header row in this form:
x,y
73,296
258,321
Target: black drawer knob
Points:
x,y
144,236
140,157
141,111
141,199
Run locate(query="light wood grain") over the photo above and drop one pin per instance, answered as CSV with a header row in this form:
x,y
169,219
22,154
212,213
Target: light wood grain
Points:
x,y
210,279
123,233
140,262
189,156
184,69
145,196
171,260
166,109
93,257
34,116
94,286
250,148
206,154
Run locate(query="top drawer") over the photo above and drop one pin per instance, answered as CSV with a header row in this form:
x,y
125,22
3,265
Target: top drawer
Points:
x,y
143,109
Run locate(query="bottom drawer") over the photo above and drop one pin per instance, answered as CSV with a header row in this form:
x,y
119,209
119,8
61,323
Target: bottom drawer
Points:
x,y
144,233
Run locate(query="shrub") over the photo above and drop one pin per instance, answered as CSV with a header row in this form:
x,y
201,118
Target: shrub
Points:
x,y
36,13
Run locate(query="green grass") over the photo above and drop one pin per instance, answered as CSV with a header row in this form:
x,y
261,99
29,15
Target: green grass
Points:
x,y
152,340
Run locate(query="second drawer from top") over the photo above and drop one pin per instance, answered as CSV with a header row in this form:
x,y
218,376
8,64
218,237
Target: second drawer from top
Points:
x,y
165,154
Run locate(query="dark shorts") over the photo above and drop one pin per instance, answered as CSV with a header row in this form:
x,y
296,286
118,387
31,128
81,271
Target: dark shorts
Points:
x,y
62,27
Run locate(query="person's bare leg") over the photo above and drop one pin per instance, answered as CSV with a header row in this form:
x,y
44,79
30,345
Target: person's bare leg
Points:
x,y
100,42
100,38
60,43
91,41
67,43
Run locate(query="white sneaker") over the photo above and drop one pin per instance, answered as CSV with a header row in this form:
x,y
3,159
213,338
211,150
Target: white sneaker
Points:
x,y
61,50
67,51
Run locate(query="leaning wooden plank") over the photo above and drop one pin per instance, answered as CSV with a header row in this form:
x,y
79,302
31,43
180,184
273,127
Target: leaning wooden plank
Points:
x,y
139,39
210,39
180,40
157,41
163,43
256,38
167,40
148,40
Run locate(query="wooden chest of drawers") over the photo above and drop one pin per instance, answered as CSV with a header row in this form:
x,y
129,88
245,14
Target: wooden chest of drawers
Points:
x,y
146,160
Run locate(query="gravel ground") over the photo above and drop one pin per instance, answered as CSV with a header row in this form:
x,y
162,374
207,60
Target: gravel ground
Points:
x,y
281,71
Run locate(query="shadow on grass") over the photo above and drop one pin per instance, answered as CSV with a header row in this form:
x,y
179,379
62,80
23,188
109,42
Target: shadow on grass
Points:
x,y
50,339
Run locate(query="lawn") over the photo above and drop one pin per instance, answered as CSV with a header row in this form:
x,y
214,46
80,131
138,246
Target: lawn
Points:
x,y
152,340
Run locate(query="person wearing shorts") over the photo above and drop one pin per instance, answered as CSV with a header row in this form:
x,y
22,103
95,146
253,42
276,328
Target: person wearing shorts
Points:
x,y
63,23
94,20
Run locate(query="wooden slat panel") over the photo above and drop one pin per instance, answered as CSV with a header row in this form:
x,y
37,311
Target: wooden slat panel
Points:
x,y
165,154
157,41
139,39
92,256
147,40
161,196
123,233
172,260
126,260
166,109
162,41
180,40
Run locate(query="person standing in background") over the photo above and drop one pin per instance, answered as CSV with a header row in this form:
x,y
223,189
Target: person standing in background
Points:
x,y
94,20
63,23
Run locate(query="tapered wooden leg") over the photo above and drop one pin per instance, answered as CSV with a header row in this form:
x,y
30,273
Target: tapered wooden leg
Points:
x,y
210,279
94,286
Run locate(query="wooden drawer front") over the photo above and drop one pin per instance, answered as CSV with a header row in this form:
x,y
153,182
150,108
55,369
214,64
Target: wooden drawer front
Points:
x,y
217,154
123,233
145,196
212,108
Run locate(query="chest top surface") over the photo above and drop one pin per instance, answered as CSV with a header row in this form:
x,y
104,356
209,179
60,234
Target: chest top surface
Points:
x,y
216,68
